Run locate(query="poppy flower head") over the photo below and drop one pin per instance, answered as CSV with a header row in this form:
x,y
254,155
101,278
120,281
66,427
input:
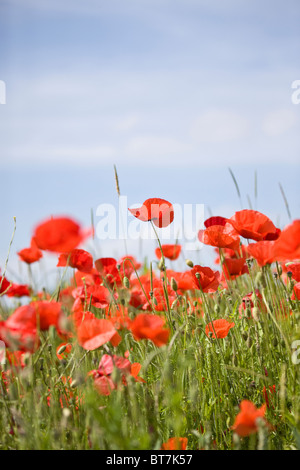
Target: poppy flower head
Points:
x,y
32,254
171,252
78,259
59,235
254,225
218,328
246,420
158,210
148,326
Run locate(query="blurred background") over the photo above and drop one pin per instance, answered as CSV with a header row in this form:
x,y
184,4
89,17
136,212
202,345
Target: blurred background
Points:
x,y
173,92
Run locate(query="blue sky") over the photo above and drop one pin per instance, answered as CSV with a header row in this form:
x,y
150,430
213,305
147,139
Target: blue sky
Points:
x,y
171,91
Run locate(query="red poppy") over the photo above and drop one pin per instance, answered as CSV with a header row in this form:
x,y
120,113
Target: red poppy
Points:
x,y
158,210
254,225
175,443
219,328
48,313
32,254
93,333
296,291
171,252
184,280
107,267
103,380
233,267
19,330
98,296
79,259
59,235
294,268
262,251
148,326
287,247
205,278
219,233
246,420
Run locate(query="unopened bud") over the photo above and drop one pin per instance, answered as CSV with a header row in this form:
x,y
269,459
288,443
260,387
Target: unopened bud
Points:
x,y
62,349
126,282
189,263
174,284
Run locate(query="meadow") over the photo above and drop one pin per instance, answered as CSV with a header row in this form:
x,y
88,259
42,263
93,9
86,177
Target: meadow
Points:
x,y
132,355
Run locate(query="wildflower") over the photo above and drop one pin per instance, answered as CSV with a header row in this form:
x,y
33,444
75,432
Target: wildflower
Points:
x,y
205,278
287,247
175,443
148,326
171,252
32,254
254,225
246,420
158,210
79,259
218,328
219,233
93,333
59,235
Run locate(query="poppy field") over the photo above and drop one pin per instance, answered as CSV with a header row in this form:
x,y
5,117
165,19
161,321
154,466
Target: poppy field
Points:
x,y
127,354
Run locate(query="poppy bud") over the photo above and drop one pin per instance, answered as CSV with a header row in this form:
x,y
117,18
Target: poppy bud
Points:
x,y
126,282
161,264
62,349
174,284
189,263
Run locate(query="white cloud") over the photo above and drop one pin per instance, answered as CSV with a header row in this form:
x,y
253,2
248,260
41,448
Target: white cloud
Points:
x,y
280,121
219,125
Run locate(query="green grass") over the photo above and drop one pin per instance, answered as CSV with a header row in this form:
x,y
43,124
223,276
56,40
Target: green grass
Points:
x,y
193,385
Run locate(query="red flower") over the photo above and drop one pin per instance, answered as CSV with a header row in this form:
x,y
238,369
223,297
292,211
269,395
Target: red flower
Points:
x,y
287,247
175,443
171,252
148,326
246,420
158,210
79,259
233,267
294,268
19,330
219,233
93,333
59,235
32,254
48,313
205,278
219,328
102,376
254,225
296,291
262,251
